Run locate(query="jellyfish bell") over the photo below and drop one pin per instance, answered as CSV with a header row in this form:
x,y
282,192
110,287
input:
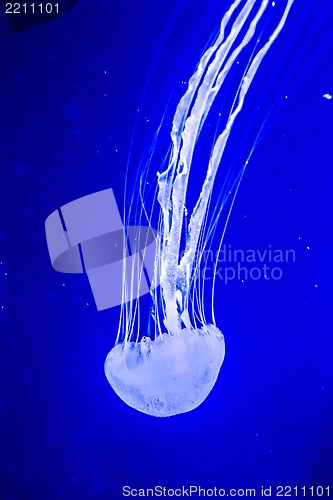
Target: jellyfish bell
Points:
x,y
174,369
169,375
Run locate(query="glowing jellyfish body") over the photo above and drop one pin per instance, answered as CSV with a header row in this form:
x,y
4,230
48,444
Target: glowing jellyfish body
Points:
x,y
172,374
174,369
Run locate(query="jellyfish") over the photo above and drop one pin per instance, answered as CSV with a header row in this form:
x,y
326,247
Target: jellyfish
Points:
x,y
173,367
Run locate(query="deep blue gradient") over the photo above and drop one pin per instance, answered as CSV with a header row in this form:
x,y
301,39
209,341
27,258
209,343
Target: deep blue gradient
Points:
x,y
69,95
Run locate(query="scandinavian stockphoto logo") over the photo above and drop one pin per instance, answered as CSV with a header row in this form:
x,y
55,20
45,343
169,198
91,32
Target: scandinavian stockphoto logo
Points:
x,y
87,236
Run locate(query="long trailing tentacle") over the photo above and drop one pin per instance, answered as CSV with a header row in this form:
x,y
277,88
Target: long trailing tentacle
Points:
x,y
191,113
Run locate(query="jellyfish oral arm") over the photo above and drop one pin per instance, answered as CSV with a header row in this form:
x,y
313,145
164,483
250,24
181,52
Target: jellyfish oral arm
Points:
x,y
189,118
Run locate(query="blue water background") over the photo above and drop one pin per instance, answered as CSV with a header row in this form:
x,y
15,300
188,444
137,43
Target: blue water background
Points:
x,y
70,91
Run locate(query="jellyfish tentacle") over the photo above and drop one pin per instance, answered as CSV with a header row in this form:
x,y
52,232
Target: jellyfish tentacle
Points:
x,y
202,91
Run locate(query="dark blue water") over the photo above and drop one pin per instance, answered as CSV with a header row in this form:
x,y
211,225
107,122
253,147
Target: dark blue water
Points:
x,y
69,94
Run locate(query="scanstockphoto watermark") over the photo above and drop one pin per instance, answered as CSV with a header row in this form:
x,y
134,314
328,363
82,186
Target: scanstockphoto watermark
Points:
x,y
189,491
230,264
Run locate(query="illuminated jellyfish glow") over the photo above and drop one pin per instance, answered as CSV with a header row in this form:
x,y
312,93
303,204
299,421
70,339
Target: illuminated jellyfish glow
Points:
x,y
174,367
